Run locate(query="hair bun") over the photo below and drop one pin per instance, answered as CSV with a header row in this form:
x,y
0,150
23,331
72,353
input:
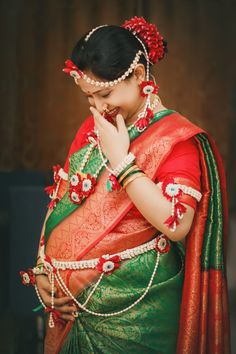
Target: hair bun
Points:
x,y
149,34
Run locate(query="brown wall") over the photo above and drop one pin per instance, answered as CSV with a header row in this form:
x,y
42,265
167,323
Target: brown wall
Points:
x,y
42,108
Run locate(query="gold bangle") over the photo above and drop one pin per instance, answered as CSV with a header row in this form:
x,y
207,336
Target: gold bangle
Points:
x,y
132,178
127,172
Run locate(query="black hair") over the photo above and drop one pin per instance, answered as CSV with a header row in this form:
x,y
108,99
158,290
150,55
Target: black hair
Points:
x,y
108,53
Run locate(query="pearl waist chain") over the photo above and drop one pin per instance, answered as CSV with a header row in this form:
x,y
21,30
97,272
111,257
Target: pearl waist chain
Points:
x,y
106,265
92,263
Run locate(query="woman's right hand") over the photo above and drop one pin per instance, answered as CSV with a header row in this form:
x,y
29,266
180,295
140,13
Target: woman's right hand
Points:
x,y
61,304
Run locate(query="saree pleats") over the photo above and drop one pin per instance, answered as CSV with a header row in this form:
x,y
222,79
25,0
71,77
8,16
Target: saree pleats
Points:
x,y
204,328
151,326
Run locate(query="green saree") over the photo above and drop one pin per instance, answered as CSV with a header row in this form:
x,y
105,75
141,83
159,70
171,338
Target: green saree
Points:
x,y
146,327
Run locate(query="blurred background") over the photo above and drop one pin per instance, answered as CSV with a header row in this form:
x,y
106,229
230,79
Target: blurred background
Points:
x,y
41,110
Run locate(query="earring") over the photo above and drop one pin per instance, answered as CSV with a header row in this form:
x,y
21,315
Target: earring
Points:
x,y
148,88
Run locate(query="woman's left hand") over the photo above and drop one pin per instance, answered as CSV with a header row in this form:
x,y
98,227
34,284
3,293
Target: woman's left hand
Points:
x,y
114,140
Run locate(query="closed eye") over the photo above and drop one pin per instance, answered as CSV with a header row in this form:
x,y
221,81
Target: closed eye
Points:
x,y
106,95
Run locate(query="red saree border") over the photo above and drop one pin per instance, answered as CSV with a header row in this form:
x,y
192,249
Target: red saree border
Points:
x,y
204,321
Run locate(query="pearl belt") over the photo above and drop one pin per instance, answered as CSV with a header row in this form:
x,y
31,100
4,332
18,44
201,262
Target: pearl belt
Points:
x,y
92,263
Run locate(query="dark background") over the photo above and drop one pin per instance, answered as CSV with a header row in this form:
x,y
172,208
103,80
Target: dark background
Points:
x,y
41,110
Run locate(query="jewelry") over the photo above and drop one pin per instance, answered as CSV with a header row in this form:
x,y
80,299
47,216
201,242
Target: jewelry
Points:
x,y
132,178
132,173
72,70
106,264
172,191
127,160
92,31
130,169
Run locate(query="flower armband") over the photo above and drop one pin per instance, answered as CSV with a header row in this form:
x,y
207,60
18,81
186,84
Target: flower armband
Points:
x,y
173,191
58,175
28,277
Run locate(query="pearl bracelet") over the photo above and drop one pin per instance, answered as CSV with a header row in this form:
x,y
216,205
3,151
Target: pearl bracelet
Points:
x,y
127,160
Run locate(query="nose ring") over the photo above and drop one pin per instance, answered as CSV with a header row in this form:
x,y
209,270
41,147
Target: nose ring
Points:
x,y
105,111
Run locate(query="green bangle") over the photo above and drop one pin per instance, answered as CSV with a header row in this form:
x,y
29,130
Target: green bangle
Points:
x,y
130,174
126,168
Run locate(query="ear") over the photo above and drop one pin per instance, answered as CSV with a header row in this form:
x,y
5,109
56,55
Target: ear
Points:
x,y
140,73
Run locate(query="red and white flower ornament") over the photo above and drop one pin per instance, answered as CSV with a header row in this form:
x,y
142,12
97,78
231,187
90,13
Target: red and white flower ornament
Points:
x,y
72,70
172,192
143,122
52,190
112,183
108,264
148,88
162,244
81,186
27,277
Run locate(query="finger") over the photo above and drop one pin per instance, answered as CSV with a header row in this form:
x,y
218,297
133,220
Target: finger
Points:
x,y
100,121
47,287
47,299
61,301
120,122
66,309
67,317
44,284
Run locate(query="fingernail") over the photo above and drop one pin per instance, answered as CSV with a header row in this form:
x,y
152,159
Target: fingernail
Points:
x,y
75,314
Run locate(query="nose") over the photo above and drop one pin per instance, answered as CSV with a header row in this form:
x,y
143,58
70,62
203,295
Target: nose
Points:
x,y
100,105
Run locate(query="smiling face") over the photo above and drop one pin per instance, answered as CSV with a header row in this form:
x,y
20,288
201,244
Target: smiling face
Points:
x,y
123,98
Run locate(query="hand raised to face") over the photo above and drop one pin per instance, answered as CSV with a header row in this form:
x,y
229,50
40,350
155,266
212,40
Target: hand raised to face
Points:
x,y
114,139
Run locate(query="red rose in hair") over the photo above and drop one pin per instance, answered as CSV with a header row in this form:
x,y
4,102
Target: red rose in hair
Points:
x,y
149,34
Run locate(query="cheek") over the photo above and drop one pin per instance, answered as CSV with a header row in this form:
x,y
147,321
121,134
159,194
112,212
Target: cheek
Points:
x,y
126,98
91,101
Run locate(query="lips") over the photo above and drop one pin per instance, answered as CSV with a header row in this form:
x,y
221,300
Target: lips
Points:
x,y
113,112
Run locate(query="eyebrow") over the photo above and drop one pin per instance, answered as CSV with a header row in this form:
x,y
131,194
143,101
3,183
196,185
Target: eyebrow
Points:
x,y
92,93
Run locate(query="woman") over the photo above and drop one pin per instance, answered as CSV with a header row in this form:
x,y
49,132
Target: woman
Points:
x,y
113,272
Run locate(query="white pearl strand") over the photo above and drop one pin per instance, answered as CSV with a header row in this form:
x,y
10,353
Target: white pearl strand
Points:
x,y
92,263
51,321
93,143
39,297
113,82
93,290
68,293
127,254
187,190
92,31
153,105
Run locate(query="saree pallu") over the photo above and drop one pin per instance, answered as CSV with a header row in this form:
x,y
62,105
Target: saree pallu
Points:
x,y
84,233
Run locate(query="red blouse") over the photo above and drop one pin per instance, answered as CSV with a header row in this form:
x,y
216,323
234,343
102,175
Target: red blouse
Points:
x,y
182,163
